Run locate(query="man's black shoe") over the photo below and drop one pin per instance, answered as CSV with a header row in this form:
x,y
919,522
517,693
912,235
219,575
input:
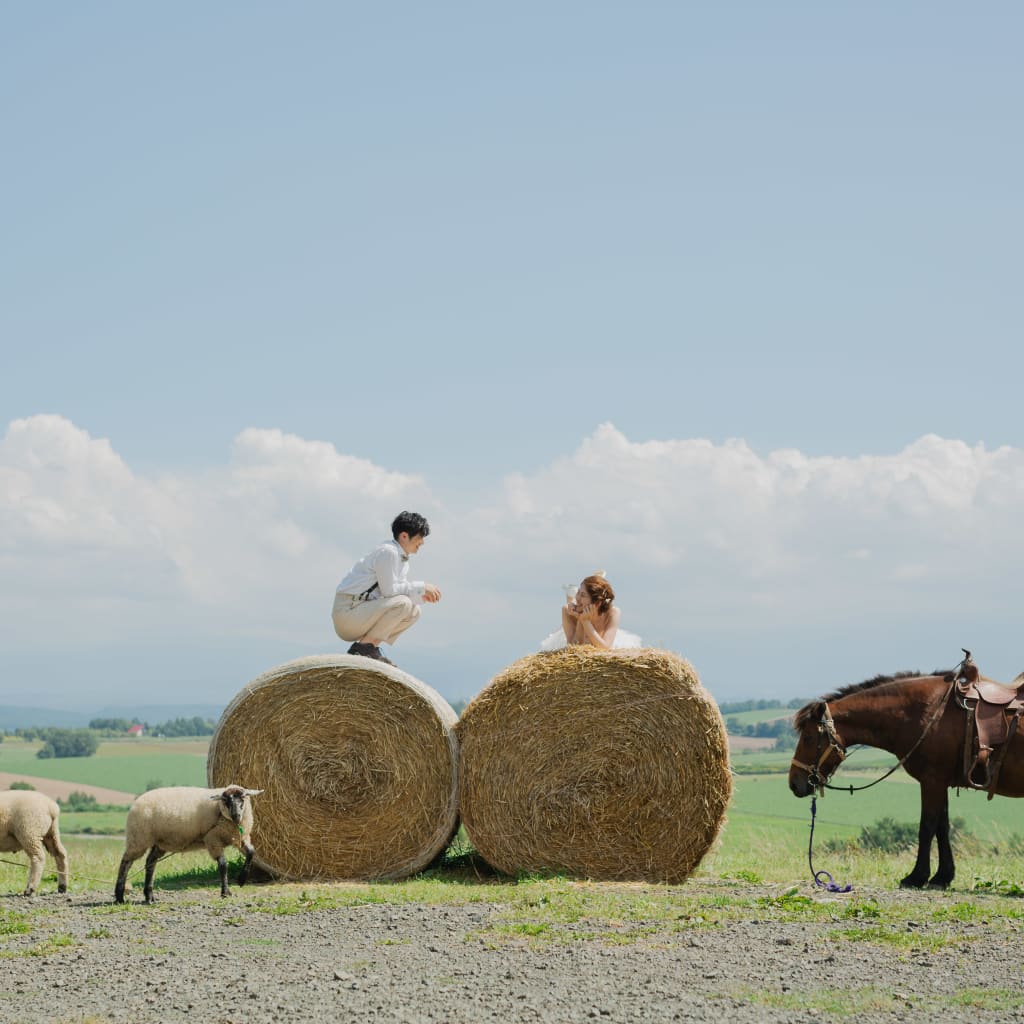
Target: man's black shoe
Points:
x,y
369,651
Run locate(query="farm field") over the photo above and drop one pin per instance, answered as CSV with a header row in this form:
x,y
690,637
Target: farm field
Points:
x,y
763,812
129,765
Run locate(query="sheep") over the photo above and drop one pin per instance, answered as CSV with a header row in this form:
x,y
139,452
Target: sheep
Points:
x,y
179,818
28,821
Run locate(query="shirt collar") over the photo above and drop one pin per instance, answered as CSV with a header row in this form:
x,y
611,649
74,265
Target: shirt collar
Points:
x,y
401,554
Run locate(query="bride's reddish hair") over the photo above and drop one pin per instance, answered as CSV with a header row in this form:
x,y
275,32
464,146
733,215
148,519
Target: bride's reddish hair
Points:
x,y
600,592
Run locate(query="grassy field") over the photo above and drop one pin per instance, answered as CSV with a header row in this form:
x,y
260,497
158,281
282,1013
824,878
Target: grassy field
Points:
x,y
766,831
764,715
129,765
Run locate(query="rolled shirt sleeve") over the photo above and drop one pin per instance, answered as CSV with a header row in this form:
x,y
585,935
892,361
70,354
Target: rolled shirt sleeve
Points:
x,y
391,575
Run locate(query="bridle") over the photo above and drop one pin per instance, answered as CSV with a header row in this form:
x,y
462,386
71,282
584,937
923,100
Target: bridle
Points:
x,y
826,729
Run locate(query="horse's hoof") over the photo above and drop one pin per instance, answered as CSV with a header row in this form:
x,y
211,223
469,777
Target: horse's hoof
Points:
x,y
910,882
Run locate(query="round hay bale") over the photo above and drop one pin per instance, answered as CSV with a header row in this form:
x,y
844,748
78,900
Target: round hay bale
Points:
x,y
601,764
358,762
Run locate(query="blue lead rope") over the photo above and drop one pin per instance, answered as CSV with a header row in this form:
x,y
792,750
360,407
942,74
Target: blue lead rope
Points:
x,y
820,876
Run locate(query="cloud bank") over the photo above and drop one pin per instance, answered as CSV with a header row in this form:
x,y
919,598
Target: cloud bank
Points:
x,y
695,536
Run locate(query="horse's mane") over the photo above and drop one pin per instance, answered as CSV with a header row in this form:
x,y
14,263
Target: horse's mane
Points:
x,y
813,709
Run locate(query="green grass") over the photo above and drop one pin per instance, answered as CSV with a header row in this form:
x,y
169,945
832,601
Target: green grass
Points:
x,y
97,823
764,715
128,766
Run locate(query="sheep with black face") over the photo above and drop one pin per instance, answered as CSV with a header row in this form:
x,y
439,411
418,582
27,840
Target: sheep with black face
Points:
x,y
180,818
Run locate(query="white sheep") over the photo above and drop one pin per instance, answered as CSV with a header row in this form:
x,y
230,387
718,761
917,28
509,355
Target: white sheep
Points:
x,y
179,818
28,821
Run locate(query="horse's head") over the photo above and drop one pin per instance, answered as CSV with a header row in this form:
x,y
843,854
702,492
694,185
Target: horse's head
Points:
x,y
819,749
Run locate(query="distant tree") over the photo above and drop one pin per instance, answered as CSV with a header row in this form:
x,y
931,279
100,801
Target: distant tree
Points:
x,y
79,801
68,743
22,785
195,726
154,784
110,724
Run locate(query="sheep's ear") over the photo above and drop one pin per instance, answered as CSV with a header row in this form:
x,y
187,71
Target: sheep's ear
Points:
x,y
253,792
216,796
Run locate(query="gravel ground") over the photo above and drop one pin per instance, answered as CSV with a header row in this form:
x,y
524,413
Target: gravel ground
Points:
x,y
195,957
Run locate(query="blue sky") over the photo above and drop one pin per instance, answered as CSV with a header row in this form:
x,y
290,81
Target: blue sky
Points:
x,y
516,264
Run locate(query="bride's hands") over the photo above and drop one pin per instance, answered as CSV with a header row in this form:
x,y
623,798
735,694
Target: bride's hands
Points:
x,y
587,614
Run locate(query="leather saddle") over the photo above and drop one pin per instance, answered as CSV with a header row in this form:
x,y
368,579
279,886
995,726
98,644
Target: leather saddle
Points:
x,y
994,712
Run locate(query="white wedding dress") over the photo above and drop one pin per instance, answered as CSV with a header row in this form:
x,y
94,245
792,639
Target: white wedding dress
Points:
x,y
623,638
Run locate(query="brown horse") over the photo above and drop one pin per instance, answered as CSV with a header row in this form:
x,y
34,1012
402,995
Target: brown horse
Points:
x,y
917,719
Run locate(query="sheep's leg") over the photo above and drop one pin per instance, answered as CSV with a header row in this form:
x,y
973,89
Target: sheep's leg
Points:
x,y
222,868
52,842
122,877
36,861
243,875
154,855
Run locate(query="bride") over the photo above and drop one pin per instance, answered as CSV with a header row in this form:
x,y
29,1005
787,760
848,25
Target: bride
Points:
x,y
589,617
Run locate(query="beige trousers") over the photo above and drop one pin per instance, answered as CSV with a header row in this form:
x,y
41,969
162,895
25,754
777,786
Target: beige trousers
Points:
x,y
385,619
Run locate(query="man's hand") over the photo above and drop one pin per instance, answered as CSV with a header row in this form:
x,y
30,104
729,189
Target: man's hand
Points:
x,y
431,594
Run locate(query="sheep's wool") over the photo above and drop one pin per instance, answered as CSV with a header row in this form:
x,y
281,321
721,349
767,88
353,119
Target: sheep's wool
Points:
x,y
358,764
600,764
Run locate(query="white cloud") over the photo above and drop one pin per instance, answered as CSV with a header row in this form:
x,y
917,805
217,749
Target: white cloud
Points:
x,y
695,535
240,546
719,530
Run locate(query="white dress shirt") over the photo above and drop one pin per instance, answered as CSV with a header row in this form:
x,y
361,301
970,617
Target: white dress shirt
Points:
x,y
386,566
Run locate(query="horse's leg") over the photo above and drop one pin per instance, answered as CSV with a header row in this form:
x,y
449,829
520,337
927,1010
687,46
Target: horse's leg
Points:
x,y
943,876
933,806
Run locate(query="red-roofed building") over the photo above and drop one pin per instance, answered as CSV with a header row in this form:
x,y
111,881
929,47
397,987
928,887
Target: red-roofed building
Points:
x,y
136,730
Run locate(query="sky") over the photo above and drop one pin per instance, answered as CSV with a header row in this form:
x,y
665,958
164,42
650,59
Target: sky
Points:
x,y
723,300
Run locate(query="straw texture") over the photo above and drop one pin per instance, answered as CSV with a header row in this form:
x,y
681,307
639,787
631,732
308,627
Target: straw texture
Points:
x,y
358,762
600,764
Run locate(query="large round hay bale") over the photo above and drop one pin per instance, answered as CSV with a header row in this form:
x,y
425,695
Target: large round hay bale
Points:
x,y
358,762
601,764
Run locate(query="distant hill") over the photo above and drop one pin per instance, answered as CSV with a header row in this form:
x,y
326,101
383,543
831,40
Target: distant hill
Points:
x,y
154,713
13,717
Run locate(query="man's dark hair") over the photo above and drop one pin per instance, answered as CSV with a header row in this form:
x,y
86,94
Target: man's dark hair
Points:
x,y
411,523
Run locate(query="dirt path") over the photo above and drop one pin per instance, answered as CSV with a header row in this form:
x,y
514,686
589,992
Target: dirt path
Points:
x,y
267,954
61,790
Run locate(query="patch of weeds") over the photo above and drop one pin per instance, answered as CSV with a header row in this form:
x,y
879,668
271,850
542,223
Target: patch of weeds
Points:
x,y
98,933
51,945
988,999
530,929
790,901
13,923
961,912
862,909
303,903
394,942
1001,886
744,876
259,942
145,949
